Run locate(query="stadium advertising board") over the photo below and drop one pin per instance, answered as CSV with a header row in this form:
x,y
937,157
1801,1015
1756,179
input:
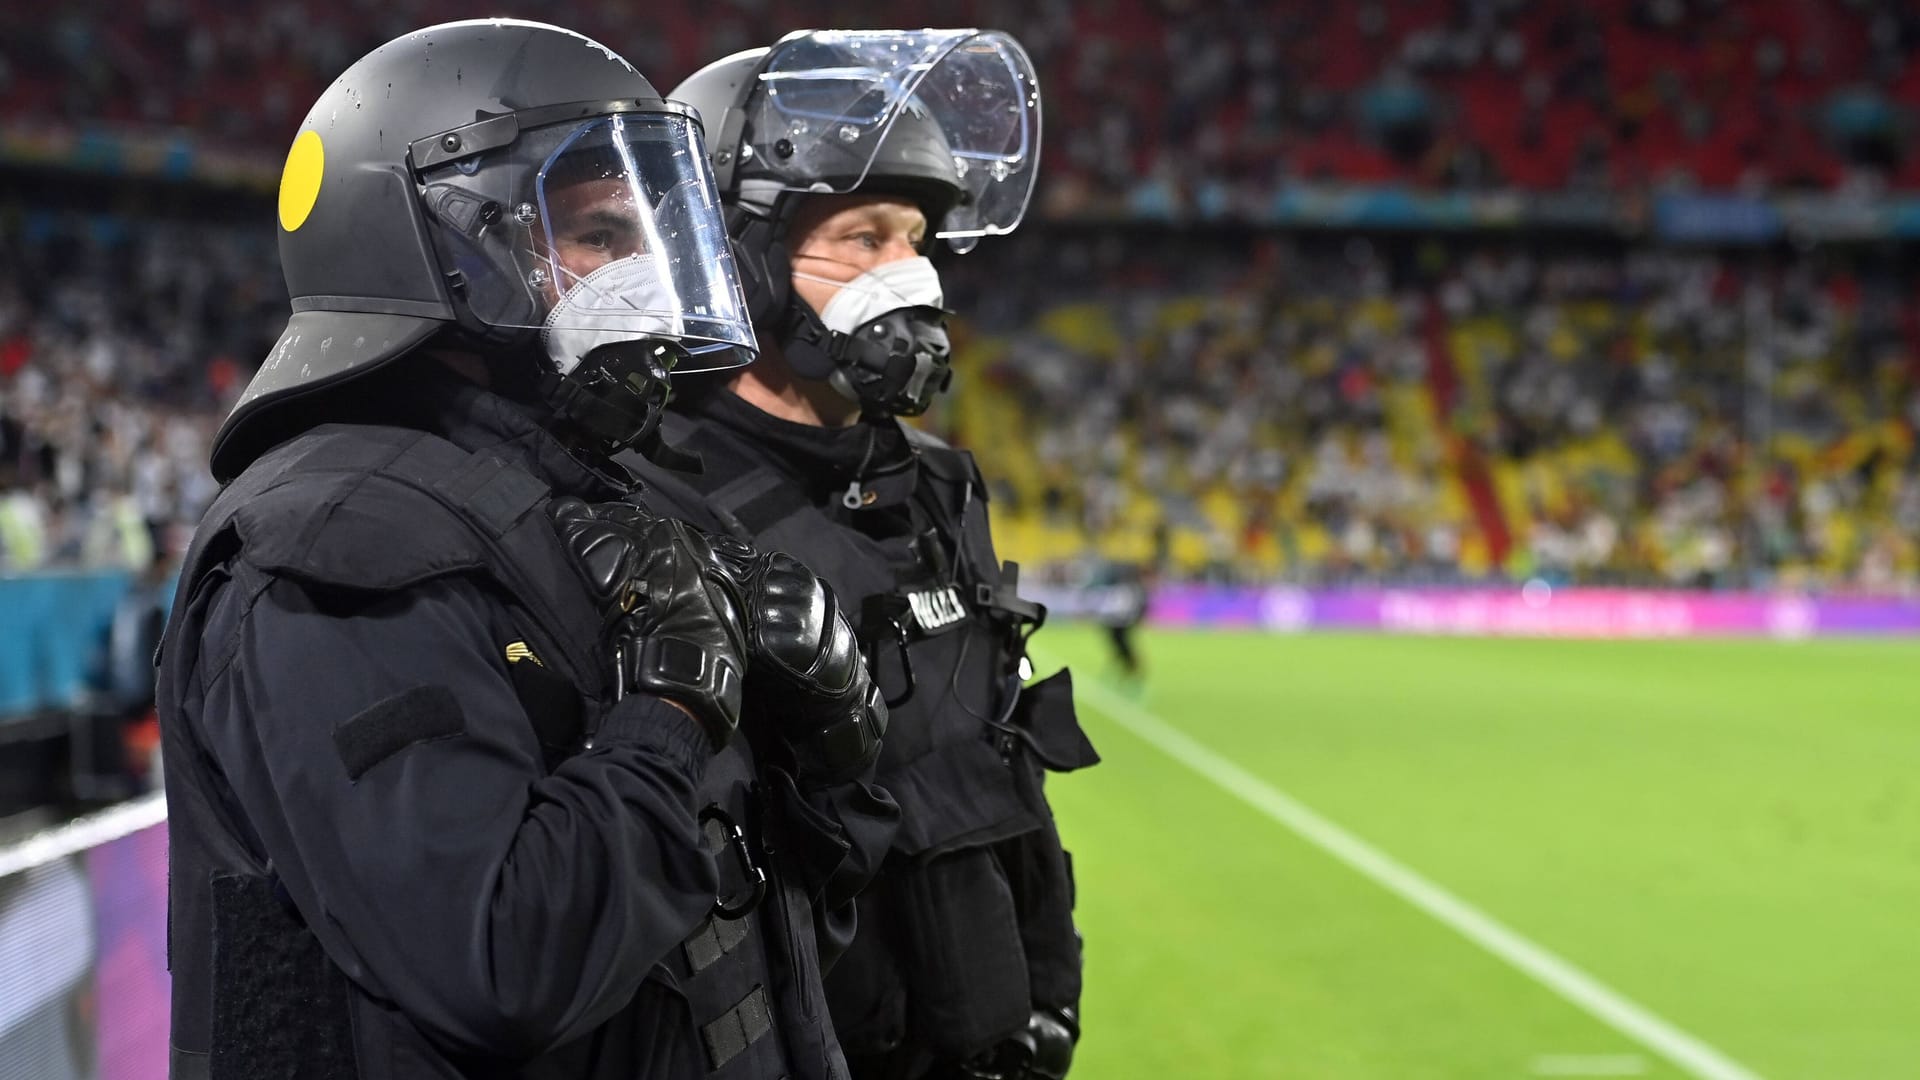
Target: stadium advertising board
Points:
x,y
1536,610
84,991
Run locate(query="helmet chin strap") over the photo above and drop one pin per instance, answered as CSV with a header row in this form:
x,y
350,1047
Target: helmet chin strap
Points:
x,y
615,397
812,350
612,394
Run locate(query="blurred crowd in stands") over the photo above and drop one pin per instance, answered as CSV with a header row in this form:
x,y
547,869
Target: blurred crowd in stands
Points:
x,y
1321,409
1153,106
1357,410
120,344
1314,408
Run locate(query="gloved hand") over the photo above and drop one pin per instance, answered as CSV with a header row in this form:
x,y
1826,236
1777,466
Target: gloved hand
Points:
x,y
1043,1050
673,625
1053,1033
808,677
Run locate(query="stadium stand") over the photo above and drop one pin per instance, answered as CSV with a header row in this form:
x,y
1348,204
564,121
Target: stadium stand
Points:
x,y
1313,410
1153,104
1325,412
1592,403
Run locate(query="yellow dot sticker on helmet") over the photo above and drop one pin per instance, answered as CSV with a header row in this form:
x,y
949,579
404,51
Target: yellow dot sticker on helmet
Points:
x,y
300,180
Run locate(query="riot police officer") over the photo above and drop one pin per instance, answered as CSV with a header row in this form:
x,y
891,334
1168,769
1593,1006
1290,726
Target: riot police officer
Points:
x,y
843,157
453,770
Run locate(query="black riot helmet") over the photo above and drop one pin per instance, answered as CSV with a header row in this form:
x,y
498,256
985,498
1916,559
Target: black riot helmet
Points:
x,y
947,118
520,191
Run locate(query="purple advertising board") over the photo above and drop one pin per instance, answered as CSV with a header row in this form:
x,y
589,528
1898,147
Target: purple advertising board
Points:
x,y
1537,610
132,991
84,991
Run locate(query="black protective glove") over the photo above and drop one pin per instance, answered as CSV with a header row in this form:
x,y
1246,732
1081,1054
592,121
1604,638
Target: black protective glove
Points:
x,y
673,625
1053,1033
1043,1050
808,678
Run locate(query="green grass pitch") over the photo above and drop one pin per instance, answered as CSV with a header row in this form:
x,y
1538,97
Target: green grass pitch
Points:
x,y
1726,833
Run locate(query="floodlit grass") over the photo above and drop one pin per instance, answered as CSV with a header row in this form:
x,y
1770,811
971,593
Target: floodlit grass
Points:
x,y
1727,833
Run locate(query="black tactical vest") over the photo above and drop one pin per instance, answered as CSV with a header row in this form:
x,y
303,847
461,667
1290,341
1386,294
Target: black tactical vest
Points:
x,y
965,748
368,507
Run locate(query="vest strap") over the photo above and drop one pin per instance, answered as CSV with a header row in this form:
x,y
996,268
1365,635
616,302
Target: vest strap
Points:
x,y
729,1035
713,941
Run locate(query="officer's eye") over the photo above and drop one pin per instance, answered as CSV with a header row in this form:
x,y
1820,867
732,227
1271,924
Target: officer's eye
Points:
x,y
868,241
598,239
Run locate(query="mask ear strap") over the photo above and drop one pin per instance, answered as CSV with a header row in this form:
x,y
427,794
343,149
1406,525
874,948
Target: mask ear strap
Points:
x,y
855,285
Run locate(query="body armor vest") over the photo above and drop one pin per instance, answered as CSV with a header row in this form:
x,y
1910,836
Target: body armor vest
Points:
x,y
965,748
366,507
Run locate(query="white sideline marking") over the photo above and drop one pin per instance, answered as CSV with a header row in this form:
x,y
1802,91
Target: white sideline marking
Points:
x,y
1576,986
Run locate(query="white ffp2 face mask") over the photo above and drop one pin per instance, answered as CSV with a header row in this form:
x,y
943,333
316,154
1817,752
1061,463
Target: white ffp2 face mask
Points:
x,y
625,300
903,283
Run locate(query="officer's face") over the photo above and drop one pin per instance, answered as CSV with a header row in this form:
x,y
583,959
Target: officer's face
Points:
x,y
593,222
839,237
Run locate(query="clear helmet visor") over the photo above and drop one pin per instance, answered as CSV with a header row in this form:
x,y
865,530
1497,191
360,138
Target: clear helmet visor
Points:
x,y
595,234
818,118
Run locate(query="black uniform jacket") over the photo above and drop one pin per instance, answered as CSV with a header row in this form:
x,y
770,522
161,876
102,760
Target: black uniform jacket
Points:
x,y
969,925
391,854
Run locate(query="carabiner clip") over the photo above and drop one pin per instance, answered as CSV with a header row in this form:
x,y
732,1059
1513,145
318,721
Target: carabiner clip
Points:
x,y
731,835
906,664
